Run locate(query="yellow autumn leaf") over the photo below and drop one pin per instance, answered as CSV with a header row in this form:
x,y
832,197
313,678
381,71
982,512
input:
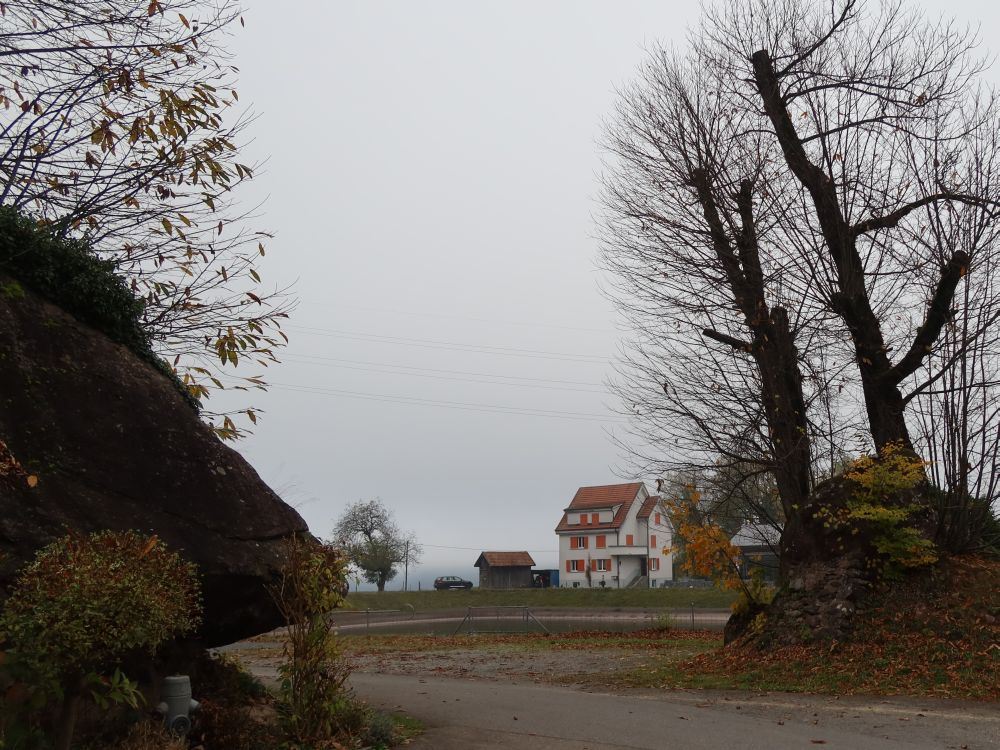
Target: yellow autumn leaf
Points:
x,y
32,481
153,540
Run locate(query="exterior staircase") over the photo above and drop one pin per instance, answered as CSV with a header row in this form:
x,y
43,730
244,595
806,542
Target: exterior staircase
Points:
x,y
639,582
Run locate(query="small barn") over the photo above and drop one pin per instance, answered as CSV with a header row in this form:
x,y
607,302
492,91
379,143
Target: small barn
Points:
x,y
505,570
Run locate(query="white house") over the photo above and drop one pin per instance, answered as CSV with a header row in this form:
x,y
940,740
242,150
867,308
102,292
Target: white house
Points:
x,y
614,535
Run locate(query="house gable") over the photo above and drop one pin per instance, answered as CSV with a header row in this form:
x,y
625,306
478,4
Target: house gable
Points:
x,y
611,504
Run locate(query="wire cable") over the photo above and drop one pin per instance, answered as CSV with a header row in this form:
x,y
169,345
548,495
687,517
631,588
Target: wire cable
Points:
x,y
449,345
460,405
396,370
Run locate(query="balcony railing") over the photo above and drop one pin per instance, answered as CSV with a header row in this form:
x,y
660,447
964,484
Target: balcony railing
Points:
x,y
624,550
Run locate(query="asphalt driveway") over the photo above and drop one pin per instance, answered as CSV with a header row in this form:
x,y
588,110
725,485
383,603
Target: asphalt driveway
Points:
x,y
474,714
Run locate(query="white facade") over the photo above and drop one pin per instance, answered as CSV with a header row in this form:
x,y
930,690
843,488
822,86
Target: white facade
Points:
x,y
617,545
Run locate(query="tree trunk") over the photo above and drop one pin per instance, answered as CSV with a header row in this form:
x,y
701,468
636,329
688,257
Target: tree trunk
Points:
x,y
772,345
883,402
67,718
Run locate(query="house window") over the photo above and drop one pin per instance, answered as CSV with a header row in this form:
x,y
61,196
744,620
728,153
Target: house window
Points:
x,y
578,542
576,566
658,519
652,541
595,518
603,565
654,563
629,540
602,541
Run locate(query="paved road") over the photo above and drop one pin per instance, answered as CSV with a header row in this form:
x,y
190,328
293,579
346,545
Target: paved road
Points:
x,y
474,715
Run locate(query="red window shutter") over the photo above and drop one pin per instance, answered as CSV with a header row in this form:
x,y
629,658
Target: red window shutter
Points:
x,y
652,541
628,539
585,543
657,519
583,518
568,568
608,563
595,518
572,542
601,542
593,564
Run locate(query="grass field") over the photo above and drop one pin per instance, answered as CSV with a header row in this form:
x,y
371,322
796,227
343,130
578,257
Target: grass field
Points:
x,y
539,598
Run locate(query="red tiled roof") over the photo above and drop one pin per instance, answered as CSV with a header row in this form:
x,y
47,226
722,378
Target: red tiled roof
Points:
x,y
605,496
505,559
647,506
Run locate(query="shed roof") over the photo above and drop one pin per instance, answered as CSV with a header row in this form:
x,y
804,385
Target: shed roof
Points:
x,y
505,559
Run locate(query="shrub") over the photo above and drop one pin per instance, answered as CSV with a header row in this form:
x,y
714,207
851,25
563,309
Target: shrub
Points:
x,y
312,678
150,735
83,605
381,731
237,711
878,502
233,726
68,273
965,524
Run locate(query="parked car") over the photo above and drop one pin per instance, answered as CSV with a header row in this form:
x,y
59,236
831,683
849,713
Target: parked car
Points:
x,y
451,582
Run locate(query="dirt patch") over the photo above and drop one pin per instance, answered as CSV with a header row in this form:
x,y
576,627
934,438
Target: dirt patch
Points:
x,y
566,667
579,659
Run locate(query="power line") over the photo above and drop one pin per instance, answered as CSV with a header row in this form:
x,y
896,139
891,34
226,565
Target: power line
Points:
x,y
449,371
397,370
460,405
480,549
450,345
411,313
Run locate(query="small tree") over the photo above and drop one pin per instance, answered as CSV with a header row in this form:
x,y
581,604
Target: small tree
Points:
x,y
708,552
374,543
88,601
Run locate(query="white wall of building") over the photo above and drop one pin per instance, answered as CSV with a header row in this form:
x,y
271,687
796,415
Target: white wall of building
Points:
x,y
633,542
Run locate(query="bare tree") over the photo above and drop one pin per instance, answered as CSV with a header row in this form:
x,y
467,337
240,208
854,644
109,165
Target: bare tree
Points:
x,y
698,243
813,188
874,100
958,419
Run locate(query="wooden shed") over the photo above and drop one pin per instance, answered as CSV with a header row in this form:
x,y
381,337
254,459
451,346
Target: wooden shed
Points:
x,y
504,570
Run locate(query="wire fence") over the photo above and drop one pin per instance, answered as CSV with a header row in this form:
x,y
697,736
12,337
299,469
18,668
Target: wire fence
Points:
x,y
523,619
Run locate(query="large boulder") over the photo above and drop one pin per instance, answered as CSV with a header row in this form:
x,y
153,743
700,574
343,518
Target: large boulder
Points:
x,y
115,446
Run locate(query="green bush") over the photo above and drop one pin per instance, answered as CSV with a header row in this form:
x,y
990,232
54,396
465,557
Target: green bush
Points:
x,y
82,606
882,505
68,273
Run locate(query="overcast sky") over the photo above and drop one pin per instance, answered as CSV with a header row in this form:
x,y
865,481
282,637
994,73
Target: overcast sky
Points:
x,y
431,178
